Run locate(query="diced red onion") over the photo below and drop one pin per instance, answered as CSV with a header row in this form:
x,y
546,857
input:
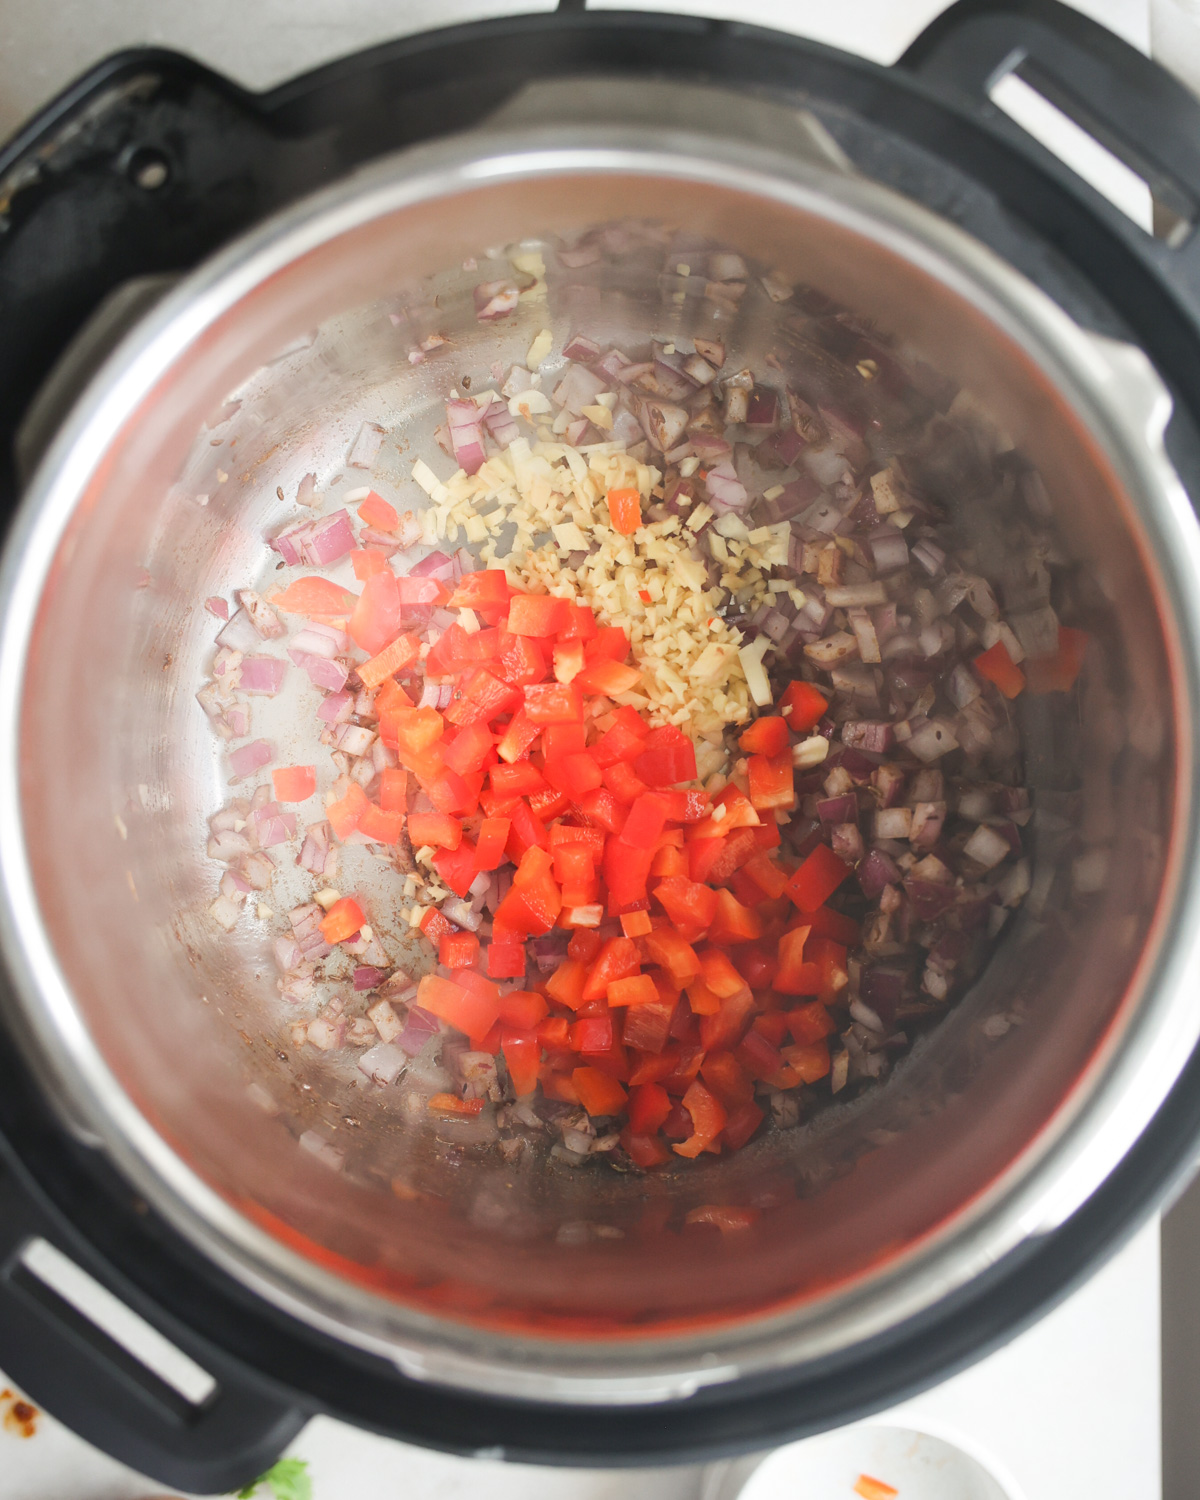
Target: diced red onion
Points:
x,y
929,898
961,686
578,388
581,349
247,759
763,409
383,1063
843,809
337,708
577,431
929,555
877,871
234,885
501,424
889,549
726,492
263,675
627,373
461,913
287,953
496,299
238,633
713,350
436,565
612,365
365,448
927,821
217,606
226,845
418,1028
306,929
847,842
274,826
873,736
932,741
367,978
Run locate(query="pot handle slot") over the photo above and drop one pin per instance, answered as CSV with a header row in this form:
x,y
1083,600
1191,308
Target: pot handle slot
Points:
x,y
150,1396
1062,76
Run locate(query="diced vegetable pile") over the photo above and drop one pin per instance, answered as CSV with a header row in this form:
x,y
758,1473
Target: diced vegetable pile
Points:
x,y
652,952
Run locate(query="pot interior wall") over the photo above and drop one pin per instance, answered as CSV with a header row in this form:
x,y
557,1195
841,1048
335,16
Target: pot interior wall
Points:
x,y
121,771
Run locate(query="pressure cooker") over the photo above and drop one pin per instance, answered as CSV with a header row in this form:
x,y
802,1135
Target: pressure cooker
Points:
x,y
206,292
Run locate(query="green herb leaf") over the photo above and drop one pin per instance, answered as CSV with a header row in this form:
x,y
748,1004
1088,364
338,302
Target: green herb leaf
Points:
x,y
289,1479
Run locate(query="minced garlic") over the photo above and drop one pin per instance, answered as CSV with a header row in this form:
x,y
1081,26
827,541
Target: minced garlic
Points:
x,y
655,584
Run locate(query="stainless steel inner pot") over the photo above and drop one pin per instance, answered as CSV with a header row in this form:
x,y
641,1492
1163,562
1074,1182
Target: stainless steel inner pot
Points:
x,y
163,1040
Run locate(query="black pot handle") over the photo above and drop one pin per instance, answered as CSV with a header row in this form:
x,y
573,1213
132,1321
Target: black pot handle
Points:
x,y
204,1443
1126,102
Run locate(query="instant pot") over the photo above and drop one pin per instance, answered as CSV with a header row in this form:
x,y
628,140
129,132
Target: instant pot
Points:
x,y
169,242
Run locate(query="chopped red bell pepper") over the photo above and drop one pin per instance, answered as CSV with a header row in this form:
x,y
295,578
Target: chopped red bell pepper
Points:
x,y
343,815
434,925
469,749
554,703
581,624
482,697
468,1010
649,1106
458,950
517,780
573,775
668,947
831,924
518,738
688,903
294,783
378,514
376,617
637,989
668,757
734,923
393,789
598,1093
608,678
485,589
626,870
809,1023
618,959
493,836
817,878
610,643
645,821
811,1062
625,510
803,706
343,919
520,660
538,615
506,960
393,658
1057,673
648,1026
766,736
522,1055
708,1119
383,827
772,781
726,1078
719,973
456,867
998,667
